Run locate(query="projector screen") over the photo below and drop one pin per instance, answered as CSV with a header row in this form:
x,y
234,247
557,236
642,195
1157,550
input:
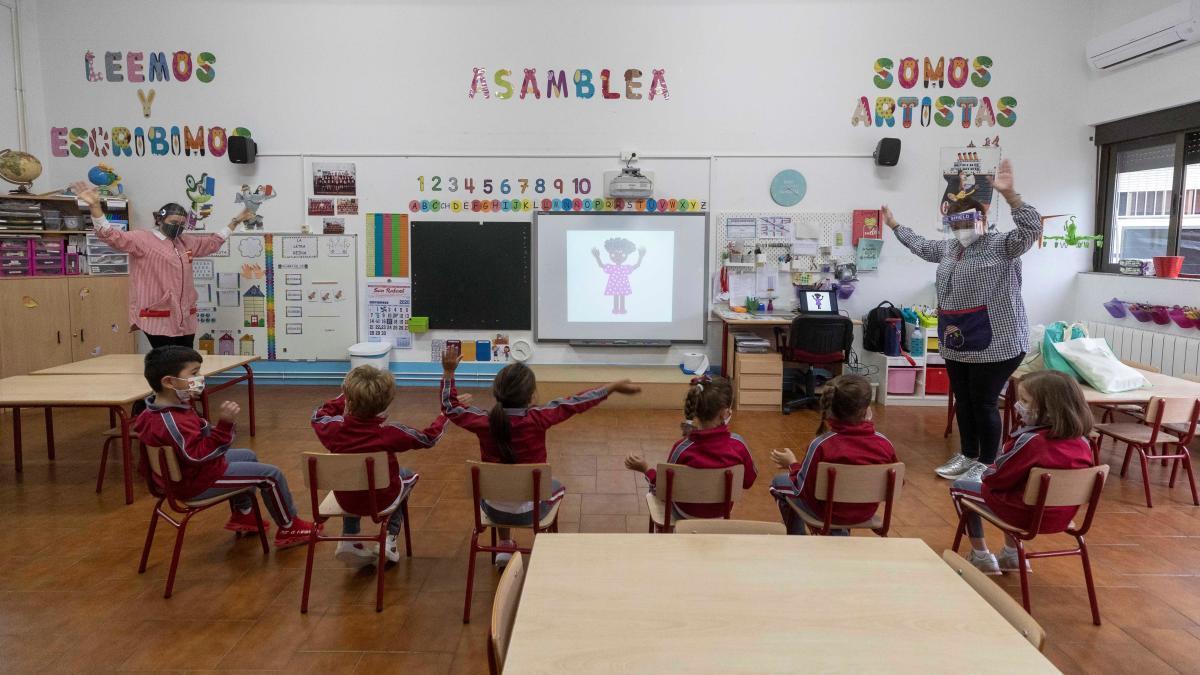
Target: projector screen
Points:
x,y
620,276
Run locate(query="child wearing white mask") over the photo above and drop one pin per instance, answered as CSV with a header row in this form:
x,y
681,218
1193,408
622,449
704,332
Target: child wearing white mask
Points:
x,y
1055,420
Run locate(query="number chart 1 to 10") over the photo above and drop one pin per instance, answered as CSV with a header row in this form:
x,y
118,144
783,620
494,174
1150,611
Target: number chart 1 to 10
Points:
x,y
487,186
660,205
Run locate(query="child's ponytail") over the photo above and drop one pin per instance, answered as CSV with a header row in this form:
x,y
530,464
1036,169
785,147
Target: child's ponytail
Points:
x,y
513,388
501,432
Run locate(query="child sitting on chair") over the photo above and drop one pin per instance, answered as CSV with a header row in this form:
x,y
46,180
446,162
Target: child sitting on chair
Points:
x,y
1055,420
707,443
514,430
851,439
356,422
209,467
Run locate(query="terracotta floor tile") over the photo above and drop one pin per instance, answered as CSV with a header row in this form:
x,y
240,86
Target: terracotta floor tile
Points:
x,y
602,523
606,505
616,482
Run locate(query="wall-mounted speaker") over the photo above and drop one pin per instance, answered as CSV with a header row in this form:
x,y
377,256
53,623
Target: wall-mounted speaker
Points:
x,y
243,150
887,152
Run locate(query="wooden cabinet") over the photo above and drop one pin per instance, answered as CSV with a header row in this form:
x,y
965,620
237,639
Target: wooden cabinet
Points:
x,y
99,316
48,321
758,381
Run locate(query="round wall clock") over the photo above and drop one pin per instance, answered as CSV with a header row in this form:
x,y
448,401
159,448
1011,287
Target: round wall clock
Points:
x,y
521,350
788,187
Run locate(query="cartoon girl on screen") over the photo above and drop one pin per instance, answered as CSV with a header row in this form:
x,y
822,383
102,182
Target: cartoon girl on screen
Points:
x,y
619,249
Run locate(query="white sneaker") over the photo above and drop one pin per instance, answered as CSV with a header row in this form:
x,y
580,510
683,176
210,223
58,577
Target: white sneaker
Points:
x,y
974,473
984,562
391,549
954,467
356,553
503,558
1009,562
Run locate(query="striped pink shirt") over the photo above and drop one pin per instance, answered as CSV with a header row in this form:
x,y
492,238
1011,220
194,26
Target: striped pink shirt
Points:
x,y
162,295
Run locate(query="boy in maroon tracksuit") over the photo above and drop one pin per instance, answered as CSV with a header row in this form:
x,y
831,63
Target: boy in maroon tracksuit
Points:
x,y
852,439
209,467
514,430
1055,419
707,443
355,422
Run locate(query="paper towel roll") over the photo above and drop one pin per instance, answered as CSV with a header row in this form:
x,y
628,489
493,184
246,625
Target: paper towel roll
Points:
x,y
694,363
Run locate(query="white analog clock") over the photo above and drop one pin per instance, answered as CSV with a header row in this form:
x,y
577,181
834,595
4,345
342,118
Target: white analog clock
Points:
x,y
521,350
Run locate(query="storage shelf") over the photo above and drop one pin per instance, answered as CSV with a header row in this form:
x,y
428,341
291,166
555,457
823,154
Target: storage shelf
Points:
x,y
50,232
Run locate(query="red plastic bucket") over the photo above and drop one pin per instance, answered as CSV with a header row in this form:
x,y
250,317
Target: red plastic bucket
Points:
x,y
1168,266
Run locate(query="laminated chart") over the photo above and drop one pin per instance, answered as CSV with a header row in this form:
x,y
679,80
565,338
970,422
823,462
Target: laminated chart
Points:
x,y
387,245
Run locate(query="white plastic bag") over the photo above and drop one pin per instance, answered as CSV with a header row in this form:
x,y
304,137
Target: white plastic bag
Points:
x,y
1095,362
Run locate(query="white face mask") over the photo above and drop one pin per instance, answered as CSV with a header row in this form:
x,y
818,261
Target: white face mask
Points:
x,y
195,387
727,418
966,237
1027,415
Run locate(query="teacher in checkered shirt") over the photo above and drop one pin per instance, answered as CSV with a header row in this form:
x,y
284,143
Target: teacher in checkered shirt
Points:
x,y
982,327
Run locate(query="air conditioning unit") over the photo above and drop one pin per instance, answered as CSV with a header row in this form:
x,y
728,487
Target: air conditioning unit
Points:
x,y
1163,31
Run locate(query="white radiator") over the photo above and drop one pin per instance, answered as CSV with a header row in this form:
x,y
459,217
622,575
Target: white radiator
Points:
x,y
1172,354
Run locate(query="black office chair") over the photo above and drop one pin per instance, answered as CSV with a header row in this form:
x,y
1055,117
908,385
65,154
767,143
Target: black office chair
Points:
x,y
812,340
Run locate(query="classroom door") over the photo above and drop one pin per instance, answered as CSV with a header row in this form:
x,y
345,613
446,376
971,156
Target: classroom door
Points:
x,y
99,316
35,332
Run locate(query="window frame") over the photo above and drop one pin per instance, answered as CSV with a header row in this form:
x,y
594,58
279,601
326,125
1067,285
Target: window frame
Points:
x,y
1165,127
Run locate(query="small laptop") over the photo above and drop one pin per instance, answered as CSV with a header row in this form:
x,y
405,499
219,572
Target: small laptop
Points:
x,y
818,302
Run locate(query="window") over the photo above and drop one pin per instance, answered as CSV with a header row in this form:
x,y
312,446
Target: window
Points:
x,y
1149,200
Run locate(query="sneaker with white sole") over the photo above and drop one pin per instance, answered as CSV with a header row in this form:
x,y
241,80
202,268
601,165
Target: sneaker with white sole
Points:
x,y
503,558
391,549
1009,562
974,473
356,553
954,467
984,562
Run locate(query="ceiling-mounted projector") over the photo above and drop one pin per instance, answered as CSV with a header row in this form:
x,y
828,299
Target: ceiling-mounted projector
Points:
x,y
630,183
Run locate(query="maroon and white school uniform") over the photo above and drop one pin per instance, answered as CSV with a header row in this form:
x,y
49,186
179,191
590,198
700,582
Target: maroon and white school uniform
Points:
x,y
715,448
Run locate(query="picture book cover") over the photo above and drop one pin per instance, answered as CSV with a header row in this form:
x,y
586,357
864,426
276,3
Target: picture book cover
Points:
x,y
866,225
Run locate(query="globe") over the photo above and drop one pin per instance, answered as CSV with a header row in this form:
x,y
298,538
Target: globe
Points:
x,y
19,168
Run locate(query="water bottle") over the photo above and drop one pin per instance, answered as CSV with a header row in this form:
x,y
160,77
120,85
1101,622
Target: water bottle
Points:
x,y
916,342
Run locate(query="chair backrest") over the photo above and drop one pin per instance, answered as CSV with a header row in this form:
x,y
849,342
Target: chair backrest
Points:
x,y
509,482
824,334
345,472
998,598
153,458
698,486
1175,409
1068,487
721,526
504,608
858,483
1140,366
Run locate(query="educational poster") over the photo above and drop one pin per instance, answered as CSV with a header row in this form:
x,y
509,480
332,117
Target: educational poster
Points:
x,y
334,178
297,247
968,173
339,247
867,254
389,306
250,246
387,245
774,227
202,269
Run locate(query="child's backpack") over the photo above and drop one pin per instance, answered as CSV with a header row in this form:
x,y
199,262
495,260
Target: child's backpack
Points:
x,y
875,326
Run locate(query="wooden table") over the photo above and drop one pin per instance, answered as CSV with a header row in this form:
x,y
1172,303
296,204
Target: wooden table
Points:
x,y
731,319
134,364
110,391
606,603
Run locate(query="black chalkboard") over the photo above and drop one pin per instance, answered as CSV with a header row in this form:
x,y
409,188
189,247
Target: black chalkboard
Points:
x,y
471,275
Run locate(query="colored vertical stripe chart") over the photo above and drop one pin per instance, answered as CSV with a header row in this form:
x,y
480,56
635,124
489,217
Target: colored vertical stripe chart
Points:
x,y
270,271
387,244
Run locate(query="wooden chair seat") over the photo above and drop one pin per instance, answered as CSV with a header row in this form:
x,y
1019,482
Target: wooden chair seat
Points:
x,y
330,508
115,432
201,503
549,518
813,521
1132,432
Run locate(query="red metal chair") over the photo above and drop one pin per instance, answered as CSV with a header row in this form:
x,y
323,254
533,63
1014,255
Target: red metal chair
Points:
x,y
350,472
507,483
677,483
111,436
1168,422
854,484
162,472
1048,487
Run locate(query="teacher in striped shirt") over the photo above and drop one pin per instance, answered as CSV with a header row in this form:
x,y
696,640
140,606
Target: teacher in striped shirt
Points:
x,y
162,294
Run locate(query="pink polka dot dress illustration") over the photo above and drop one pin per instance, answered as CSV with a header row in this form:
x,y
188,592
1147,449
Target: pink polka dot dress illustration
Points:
x,y
618,287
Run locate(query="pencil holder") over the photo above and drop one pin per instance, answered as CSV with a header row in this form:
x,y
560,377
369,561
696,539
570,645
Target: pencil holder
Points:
x,y
1159,314
1116,308
1180,317
1140,312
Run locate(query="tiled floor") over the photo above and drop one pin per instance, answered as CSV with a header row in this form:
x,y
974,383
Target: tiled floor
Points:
x,y
71,600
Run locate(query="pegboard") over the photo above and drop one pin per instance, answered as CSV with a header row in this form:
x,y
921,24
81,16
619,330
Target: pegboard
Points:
x,y
827,224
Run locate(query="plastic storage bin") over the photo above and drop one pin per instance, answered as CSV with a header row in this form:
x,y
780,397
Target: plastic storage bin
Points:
x,y
375,354
936,380
1160,316
103,259
902,381
14,257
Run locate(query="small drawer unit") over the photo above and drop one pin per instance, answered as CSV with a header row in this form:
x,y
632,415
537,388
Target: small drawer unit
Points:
x,y
758,382
48,257
15,257
103,259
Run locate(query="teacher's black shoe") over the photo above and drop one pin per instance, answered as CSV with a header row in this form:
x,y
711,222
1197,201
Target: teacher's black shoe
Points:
x,y
955,466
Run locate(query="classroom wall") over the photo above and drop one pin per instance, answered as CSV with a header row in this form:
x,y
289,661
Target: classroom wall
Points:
x,y
1154,84
8,95
1092,290
755,87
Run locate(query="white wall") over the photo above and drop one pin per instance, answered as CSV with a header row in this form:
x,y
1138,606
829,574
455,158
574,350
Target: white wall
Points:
x,y
9,137
1154,84
746,78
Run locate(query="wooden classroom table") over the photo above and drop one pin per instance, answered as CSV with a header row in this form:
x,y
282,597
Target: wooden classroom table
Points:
x,y
110,391
730,318
133,364
654,603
